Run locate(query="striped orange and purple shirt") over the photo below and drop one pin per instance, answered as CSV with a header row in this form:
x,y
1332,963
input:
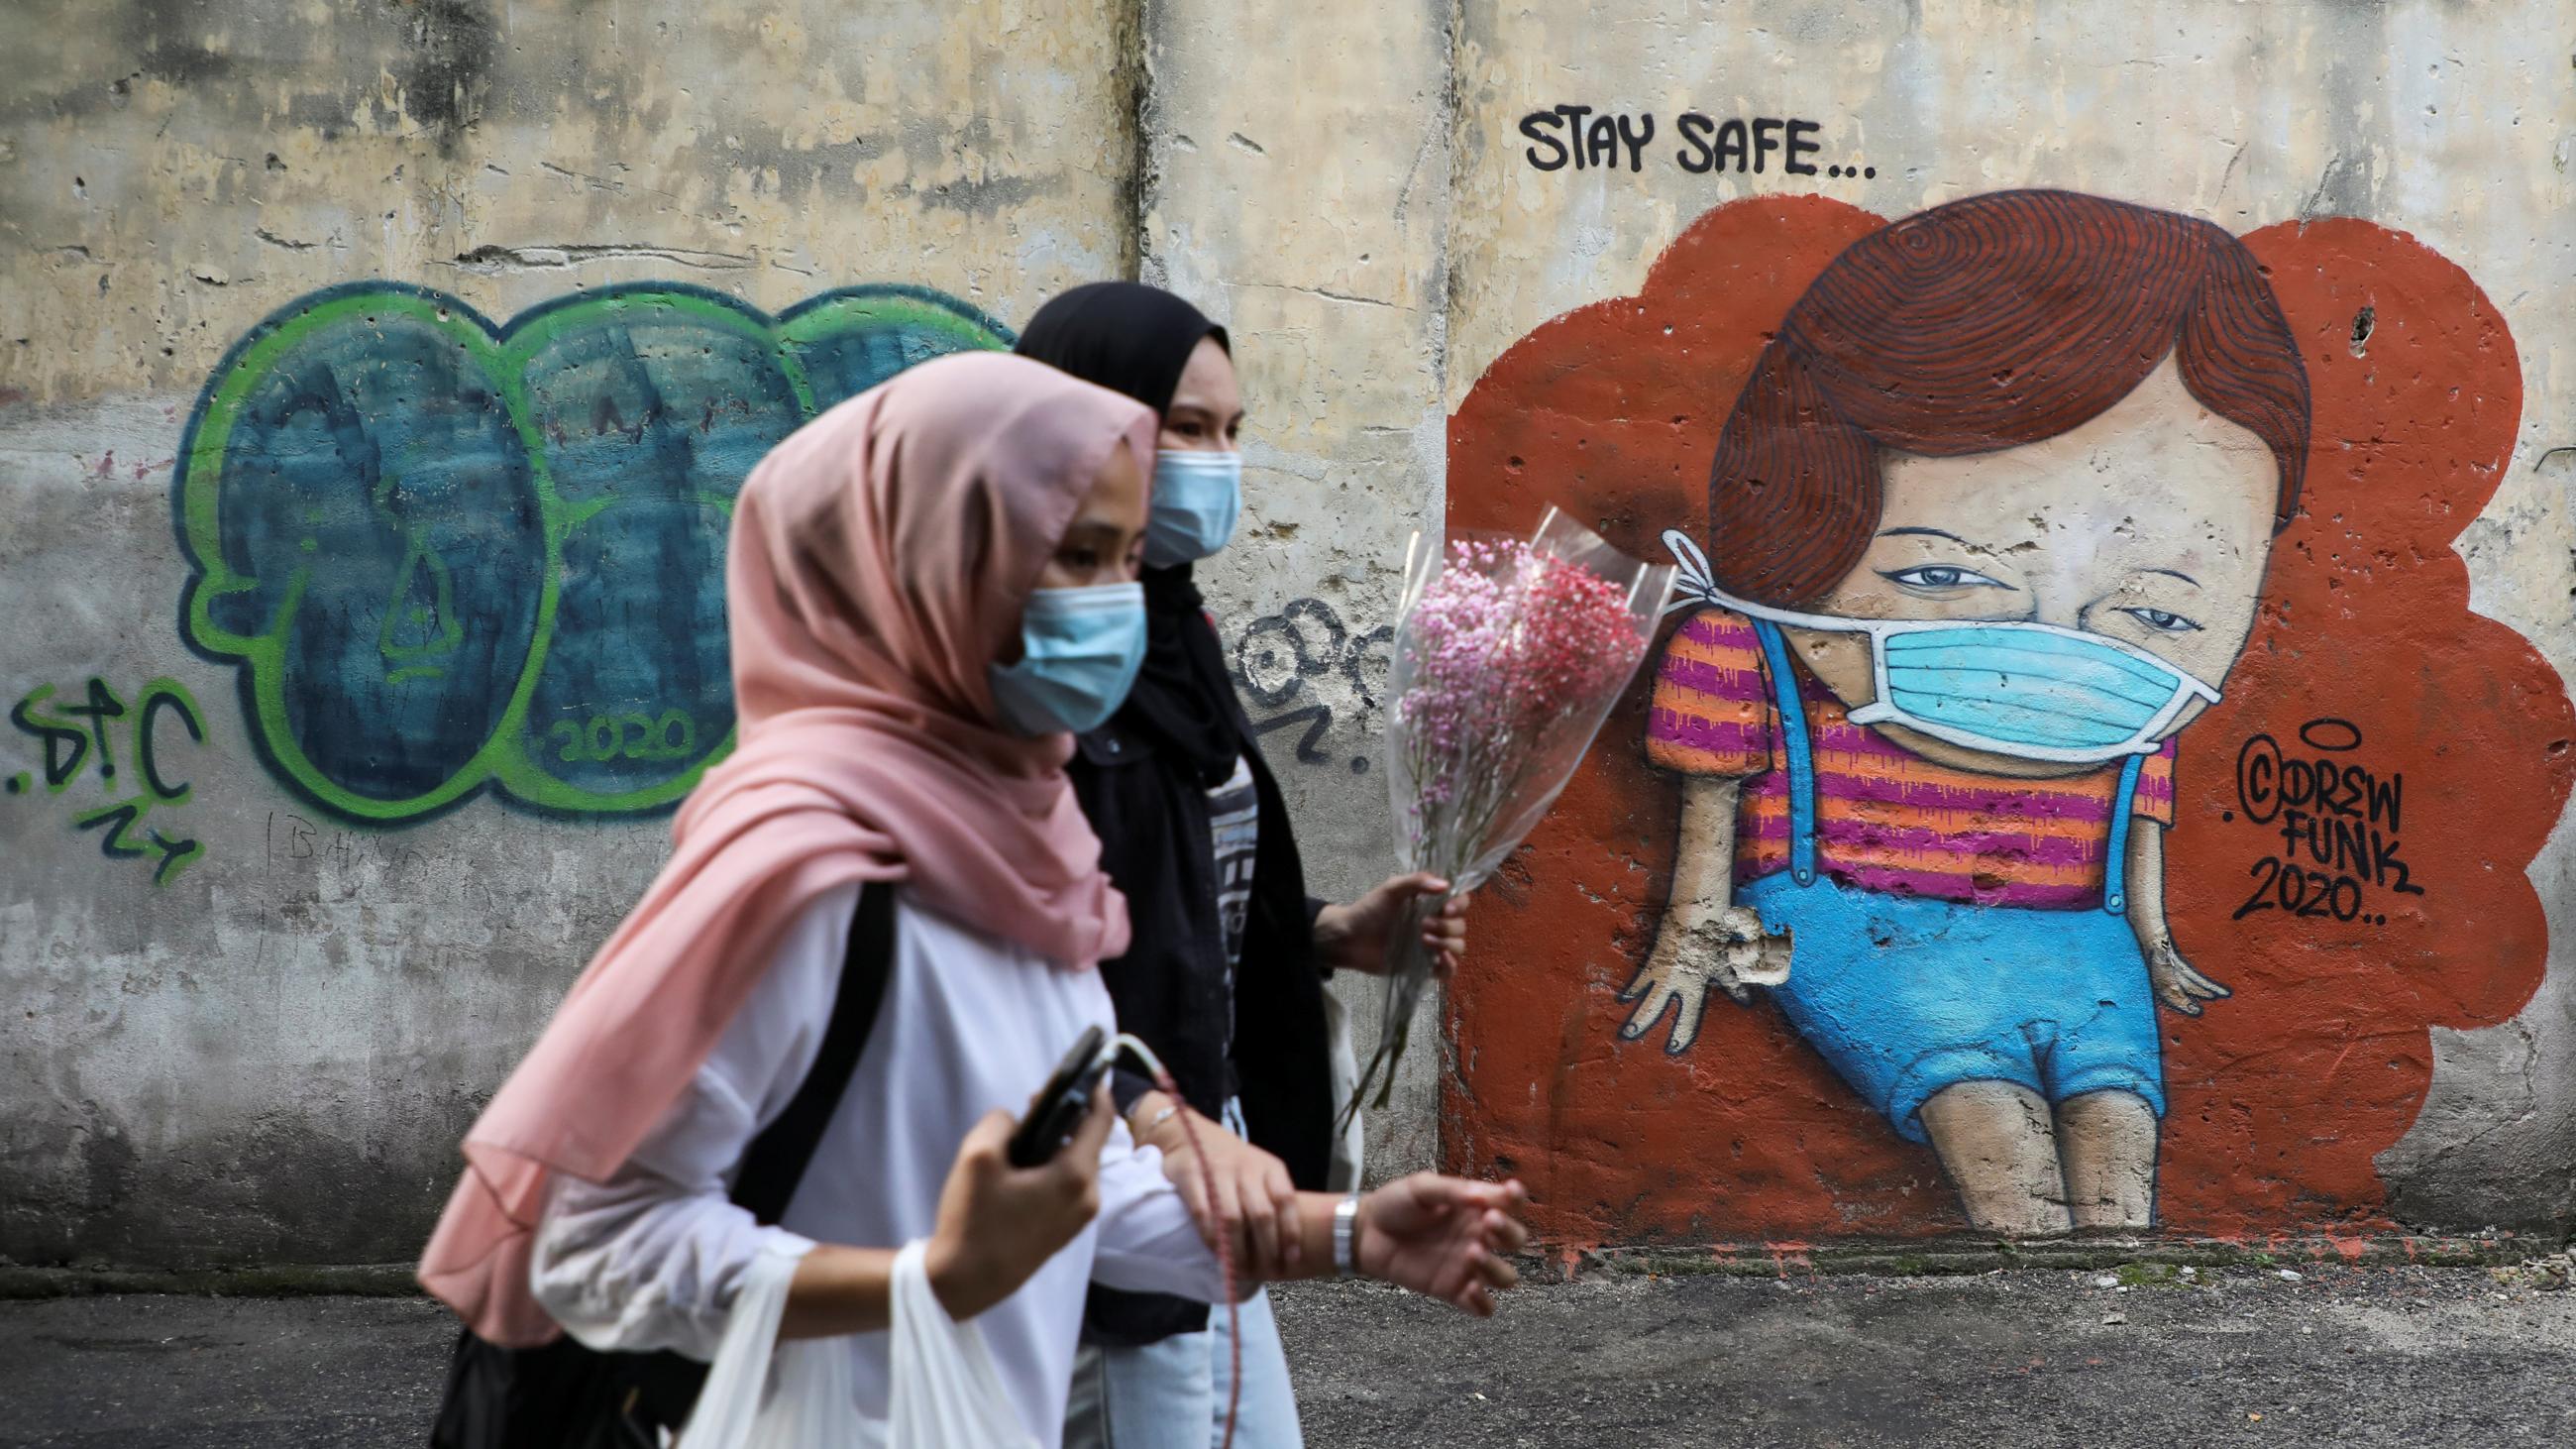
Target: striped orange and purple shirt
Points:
x,y
1887,819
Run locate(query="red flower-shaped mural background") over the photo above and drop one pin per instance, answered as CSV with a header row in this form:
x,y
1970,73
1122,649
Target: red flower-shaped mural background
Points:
x,y
2280,1097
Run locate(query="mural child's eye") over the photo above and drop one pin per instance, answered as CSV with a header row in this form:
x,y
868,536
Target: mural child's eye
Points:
x,y
1939,576
2160,621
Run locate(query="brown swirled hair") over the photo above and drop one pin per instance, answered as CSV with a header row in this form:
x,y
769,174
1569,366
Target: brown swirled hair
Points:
x,y
1984,324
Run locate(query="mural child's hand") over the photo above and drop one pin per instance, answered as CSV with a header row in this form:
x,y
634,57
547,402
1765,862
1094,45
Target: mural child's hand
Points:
x,y
1726,946
2181,987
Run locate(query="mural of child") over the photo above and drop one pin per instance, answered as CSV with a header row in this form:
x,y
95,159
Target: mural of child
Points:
x,y
1987,528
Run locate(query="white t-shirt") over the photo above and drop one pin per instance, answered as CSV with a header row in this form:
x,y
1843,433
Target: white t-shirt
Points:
x,y
652,1258
1234,842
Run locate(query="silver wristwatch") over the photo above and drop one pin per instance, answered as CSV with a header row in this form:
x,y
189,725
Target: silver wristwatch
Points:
x,y
1346,1225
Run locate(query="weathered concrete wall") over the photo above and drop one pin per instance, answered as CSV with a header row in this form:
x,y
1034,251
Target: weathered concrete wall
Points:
x,y
396,722
1313,220
371,763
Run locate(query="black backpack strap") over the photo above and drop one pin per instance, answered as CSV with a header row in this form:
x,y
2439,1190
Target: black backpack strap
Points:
x,y
564,1396
775,1162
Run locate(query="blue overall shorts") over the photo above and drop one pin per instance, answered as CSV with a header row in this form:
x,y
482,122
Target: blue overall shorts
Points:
x,y
1907,995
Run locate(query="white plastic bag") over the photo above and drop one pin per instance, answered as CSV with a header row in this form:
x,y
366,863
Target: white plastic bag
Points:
x,y
763,1394
944,1392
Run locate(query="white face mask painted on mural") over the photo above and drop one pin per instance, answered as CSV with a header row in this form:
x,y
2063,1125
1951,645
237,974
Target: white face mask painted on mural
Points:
x,y
2028,690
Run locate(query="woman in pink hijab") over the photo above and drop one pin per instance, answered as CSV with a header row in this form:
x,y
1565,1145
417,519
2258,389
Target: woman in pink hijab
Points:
x,y
930,587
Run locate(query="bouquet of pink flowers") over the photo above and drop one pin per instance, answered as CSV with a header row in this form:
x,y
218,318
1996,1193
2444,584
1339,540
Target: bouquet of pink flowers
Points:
x,y
1508,653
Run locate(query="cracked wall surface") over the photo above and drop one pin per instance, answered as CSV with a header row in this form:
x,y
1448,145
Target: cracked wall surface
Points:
x,y
279,902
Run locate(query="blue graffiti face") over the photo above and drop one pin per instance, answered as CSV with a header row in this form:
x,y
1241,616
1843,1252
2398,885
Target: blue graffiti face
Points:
x,y
652,416
386,525
447,554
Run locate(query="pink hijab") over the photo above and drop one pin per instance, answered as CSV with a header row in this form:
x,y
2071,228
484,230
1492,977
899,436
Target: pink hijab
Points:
x,y
879,563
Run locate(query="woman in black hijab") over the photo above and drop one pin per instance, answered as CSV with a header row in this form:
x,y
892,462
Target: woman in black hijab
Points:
x,y
1224,978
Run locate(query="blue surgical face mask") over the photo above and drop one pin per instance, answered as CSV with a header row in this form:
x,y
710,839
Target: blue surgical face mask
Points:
x,y
1198,497
1080,652
2031,691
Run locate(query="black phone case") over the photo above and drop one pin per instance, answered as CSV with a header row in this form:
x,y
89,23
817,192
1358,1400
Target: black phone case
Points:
x,y
1060,1103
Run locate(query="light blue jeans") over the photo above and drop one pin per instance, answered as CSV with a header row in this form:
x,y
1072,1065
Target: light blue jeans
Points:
x,y
1171,1394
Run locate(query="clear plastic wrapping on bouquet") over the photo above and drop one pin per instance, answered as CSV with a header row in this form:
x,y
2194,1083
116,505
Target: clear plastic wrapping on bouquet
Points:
x,y
1508,654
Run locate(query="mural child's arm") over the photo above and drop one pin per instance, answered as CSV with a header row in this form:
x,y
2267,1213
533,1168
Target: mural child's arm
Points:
x,y
1704,935
2181,987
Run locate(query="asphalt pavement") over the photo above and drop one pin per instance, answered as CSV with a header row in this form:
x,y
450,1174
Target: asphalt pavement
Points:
x,y
2147,1355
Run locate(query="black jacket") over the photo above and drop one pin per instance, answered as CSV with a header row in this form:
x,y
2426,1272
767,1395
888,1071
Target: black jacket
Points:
x,y
1151,814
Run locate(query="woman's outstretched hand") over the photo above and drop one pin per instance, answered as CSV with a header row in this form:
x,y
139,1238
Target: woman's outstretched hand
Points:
x,y
1443,1236
1354,937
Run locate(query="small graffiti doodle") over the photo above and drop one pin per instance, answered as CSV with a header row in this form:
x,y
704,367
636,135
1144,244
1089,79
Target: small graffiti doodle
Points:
x,y
79,736
1295,665
446,554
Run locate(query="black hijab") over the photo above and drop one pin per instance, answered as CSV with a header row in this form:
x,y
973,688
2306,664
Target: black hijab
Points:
x,y
1265,1039
1137,340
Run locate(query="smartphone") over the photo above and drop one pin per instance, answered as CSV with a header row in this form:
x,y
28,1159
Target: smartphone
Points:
x,y
1058,1111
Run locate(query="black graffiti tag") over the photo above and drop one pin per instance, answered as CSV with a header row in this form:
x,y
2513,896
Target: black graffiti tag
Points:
x,y
2338,822
82,736
1283,659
